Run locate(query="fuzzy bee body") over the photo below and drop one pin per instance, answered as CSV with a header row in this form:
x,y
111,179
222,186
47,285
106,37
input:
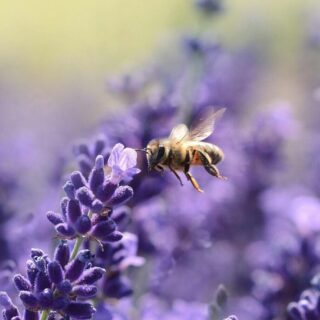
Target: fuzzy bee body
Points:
x,y
184,148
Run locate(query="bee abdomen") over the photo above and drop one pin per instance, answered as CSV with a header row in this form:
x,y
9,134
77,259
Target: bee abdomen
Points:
x,y
213,152
216,154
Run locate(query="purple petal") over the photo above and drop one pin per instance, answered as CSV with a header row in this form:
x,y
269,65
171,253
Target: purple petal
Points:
x,y
117,174
115,155
128,159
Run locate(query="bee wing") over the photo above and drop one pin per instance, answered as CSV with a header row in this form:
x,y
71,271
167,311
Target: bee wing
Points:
x,y
204,126
179,132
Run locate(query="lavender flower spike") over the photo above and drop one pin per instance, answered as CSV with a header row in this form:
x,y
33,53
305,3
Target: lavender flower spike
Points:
x,y
122,162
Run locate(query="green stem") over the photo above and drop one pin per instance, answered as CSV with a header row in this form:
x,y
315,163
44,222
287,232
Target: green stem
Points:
x,y
76,248
44,315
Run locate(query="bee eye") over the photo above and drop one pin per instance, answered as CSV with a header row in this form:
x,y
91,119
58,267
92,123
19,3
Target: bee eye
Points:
x,y
160,153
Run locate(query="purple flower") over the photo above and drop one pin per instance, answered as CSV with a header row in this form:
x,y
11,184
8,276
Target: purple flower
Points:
x,y
122,162
50,285
87,152
89,204
118,256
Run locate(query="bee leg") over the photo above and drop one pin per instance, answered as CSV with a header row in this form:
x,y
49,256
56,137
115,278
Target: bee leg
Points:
x,y
160,169
188,174
193,181
176,174
210,168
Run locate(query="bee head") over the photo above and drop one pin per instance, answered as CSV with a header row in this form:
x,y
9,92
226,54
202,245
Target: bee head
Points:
x,y
154,153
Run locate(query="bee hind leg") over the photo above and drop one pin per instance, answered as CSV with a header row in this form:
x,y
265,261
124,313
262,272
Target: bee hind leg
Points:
x,y
176,174
193,181
210,168
189,176
159,168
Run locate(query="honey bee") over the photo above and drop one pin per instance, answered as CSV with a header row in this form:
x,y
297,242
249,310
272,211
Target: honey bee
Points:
x,y
184,148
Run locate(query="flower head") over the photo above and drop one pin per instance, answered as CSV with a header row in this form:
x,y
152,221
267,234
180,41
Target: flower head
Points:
x,y
56,285
122,162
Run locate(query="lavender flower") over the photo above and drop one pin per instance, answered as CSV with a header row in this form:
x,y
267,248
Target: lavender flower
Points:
x,y
86,153
118,257
122,162
56,286
87,210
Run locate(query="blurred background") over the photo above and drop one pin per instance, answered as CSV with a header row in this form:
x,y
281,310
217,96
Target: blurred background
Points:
x,y
55,58
72,69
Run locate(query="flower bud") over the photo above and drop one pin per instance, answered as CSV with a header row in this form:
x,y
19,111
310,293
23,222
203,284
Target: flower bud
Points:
x,y
85,291
62,253
85,196
113,237
75,268
64,287
21,283
73,211
30,315
78,179
121,195
45,299
55,272
65,230
69,189
55,218
83,224
42,282
102,229
79,310
90,276
28,299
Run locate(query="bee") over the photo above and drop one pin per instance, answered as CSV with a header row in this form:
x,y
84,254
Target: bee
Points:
x,y
184,148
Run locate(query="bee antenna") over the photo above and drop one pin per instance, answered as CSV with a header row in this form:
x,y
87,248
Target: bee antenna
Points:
x,y
143,150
